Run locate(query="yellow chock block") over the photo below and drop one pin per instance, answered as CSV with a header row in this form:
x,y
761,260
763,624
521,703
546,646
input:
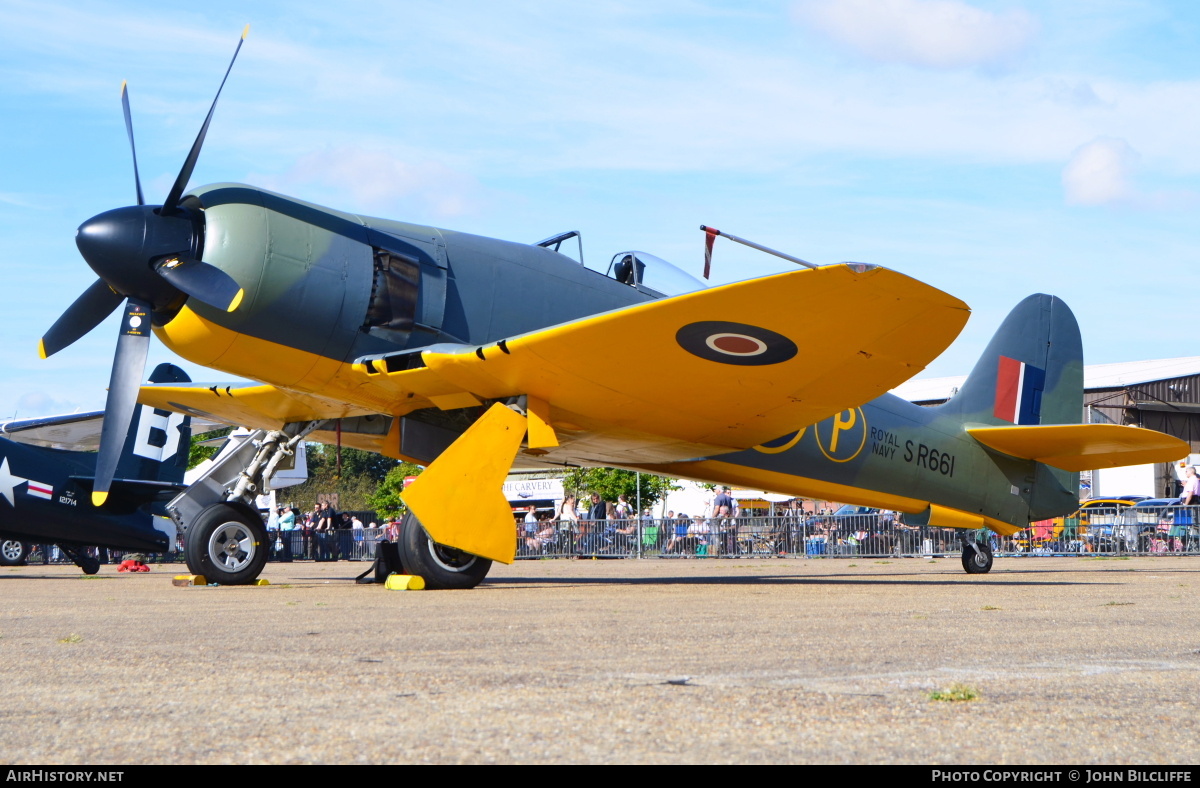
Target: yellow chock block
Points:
x,y
404,583
189,580
262,581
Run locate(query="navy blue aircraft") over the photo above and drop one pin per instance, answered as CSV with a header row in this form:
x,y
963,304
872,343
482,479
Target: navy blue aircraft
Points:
x,y
47,476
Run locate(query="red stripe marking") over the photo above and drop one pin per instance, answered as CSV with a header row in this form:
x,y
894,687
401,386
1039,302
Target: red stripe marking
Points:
x,y
1008,380
710,235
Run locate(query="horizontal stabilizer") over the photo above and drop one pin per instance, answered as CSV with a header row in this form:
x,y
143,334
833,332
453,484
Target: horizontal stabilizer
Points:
x,y
1082,447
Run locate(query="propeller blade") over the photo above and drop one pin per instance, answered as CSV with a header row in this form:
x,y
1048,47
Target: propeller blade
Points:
x,y
92,306
202,281
137,179
185,175
133,343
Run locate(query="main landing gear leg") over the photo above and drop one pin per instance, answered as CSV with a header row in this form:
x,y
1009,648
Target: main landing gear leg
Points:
x,y
224,536
81,559
976,556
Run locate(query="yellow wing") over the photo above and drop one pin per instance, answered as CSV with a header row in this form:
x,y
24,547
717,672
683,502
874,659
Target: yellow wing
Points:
x,y
716,370
269,408
703,373
1082,447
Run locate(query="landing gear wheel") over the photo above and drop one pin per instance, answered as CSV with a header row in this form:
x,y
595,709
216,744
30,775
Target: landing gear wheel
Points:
x,y
13,552
80,558
976,557
227,545
441,567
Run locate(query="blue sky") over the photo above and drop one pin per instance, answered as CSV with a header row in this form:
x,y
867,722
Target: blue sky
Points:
x,y
992,149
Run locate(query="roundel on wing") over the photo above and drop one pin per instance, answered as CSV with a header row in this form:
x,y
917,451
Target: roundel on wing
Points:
x,y
739,344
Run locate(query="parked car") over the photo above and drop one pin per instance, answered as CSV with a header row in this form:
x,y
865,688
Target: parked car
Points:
x,y
1159,525
1093,520
847,518
1100,520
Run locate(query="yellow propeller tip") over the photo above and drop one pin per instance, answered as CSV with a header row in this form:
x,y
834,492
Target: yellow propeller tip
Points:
x,y
98,498
237,300
245,32
124,82
42,348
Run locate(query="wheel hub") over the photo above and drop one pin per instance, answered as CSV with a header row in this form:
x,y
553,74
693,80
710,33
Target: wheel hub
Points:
x,y
449,558
231,546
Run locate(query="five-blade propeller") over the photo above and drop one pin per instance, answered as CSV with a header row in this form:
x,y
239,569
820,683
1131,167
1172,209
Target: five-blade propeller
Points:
x,y
148,257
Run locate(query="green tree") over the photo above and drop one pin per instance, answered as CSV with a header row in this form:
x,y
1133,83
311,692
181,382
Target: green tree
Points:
x,y
386,498
197,453
362,472
355,462
608,483
353,492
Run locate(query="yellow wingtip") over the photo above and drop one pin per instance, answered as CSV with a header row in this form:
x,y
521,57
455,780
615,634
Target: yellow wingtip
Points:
x,y
98,498
237,300
245,32
42,348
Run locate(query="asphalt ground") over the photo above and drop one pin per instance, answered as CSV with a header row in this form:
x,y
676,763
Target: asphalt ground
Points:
x,y
1072,660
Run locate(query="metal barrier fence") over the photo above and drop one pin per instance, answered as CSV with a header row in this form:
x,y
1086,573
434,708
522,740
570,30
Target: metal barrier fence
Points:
x,y
859,535
1128,531
1136,530
344,544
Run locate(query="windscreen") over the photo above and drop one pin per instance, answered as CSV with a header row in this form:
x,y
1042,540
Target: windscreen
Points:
x,y
653,273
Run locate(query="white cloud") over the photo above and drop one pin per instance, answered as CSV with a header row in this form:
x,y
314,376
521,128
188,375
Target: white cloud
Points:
x,y
17,200
1100,173
34,404
932,33
375,182
1073,93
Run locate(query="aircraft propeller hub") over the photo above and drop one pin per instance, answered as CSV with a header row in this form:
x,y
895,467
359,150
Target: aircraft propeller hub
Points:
x,y
124,245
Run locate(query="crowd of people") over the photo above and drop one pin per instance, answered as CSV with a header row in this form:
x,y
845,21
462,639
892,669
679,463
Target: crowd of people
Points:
x,y
593,526
323,534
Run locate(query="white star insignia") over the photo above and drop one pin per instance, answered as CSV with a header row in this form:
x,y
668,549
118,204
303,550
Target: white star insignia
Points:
x,y
8,482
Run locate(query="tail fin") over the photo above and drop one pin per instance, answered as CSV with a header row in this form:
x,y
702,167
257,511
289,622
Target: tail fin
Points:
x,y
159,441
1030,374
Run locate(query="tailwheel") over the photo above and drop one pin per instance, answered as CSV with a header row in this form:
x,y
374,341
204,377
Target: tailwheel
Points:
x,y
227,545
441,567
976,557
13,552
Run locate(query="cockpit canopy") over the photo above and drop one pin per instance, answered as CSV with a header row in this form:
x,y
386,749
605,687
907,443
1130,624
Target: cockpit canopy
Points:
x,y
652,274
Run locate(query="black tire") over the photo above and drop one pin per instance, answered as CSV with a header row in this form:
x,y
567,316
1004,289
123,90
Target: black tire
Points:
x,y
226,545
442,568
89,565
13,552
977,557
